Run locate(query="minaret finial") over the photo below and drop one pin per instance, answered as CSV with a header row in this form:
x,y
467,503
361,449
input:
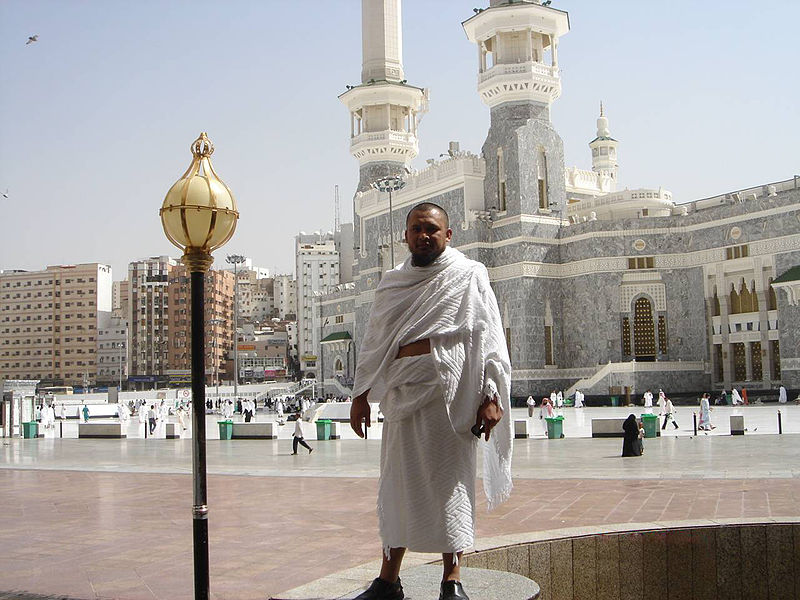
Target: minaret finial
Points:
x,y
601,108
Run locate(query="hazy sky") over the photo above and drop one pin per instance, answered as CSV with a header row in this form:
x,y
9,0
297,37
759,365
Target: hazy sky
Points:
x,y
96,118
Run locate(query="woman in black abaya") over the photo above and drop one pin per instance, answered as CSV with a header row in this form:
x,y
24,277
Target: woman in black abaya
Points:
x,y
630,443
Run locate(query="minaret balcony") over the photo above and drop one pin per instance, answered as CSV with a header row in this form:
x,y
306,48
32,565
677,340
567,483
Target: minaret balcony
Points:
x,y
389,145
519,81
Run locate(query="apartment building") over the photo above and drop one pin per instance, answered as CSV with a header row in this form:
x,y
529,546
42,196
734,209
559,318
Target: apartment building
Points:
x,y
148,320
112,353
218,321
49,322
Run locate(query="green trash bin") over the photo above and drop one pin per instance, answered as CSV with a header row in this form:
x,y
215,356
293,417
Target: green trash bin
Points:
x,y
555,427
650,423
225,429
30,430
323,429
614,401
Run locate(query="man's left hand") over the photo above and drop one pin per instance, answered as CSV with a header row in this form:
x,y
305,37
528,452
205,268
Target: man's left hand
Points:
x,y
489,415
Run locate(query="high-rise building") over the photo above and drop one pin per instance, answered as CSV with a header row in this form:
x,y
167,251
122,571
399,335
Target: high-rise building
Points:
x,y
218,319
317,271
112,353
49,322
148,320
286,297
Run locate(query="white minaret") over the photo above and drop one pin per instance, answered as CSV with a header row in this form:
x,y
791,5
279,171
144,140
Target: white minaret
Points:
x,y
384,109
514,40
604,151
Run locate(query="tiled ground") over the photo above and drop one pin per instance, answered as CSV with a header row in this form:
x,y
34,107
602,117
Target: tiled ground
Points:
x,y
112,533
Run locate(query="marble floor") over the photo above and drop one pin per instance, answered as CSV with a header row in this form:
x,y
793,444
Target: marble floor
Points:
x,y
112,518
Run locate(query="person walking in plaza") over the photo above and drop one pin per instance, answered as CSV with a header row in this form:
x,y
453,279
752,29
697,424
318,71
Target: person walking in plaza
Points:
x,y
151,417
669,414
704,423
85,410
297,436
648,402
662,401
630,438
248,412
560,399
545,411
531,403
63,412
578,399
142,415
435,356
782,395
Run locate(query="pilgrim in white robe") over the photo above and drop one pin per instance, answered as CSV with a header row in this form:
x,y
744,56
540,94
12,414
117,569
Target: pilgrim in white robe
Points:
x,y
705,415
426,496
782,395
560,399
736,399
578,399
648,401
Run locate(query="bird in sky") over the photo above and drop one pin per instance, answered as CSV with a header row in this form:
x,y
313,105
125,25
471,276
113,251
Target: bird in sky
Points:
x,y
32,38
5,194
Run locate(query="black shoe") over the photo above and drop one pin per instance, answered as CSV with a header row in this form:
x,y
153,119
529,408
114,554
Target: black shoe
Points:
x,y
381,589
452,590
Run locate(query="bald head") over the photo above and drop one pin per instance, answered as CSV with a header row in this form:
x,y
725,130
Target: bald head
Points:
x,y
425,207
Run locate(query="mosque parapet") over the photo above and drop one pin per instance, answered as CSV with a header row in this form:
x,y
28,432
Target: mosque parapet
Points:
x,y
465,169
623,205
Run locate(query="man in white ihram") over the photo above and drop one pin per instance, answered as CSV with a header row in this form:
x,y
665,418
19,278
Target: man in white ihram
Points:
x,y
434,356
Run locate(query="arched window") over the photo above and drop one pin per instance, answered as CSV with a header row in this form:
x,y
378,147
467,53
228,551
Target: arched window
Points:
x,y
716,303
772,298
753,296
338,367
501,181
541,166
745,298
736,306
644,337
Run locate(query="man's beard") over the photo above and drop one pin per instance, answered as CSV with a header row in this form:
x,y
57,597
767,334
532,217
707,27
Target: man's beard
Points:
x,y
423,260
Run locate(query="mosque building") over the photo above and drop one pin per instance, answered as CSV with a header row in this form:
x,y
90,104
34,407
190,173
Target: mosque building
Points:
x,y
599,289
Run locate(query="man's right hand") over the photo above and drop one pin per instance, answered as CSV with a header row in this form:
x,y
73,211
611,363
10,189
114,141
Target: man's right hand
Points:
x,y
360,411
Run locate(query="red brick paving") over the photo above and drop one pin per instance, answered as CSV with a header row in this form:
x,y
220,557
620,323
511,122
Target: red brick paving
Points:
x,y
123,535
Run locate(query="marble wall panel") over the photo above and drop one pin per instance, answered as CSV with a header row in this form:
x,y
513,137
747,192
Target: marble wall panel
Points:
x,y
679,564
729,560
561,570
497,560
519,560
780,575
539,561
631,566
584,567
754,562
608,567
655,574
704,564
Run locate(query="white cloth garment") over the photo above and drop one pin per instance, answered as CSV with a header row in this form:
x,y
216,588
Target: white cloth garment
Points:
x,y
451,303
426,497
705,414
782,395
578,399
736,399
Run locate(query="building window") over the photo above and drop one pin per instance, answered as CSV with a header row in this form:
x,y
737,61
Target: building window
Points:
x,y
641,262
715,303
644,338
719,368
772,302
775,347
626,336
736,306
755,361
501,181
662,334
733,252
548,345
739,362
541,166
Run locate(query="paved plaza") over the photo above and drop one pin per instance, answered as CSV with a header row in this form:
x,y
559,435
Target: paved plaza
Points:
x,y
112,519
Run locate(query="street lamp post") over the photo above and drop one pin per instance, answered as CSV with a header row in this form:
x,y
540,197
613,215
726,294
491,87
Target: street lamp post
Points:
x,y
121,346
235,260
390,184
199,215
